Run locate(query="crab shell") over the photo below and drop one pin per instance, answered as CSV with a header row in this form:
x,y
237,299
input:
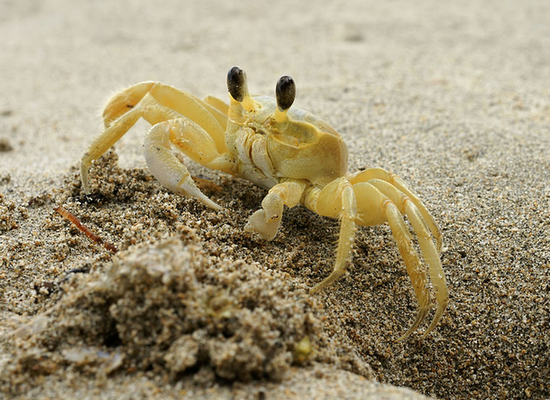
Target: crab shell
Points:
x,y
301,147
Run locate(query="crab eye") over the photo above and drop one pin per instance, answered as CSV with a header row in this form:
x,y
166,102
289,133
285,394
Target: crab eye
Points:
x,y
285,92
236,83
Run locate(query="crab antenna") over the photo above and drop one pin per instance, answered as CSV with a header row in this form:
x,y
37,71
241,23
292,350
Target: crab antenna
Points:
x,y
238,89
285,92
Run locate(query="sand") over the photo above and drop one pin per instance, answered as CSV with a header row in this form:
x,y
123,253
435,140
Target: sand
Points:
x,y
452,97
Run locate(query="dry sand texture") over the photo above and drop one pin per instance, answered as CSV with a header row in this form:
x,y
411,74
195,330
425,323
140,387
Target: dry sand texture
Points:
x,y
452,96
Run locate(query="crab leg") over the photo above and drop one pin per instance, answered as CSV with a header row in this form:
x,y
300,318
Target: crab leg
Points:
x,y
219,105
431,256
104,142
127,117
192,108
160,102
406,206
414,267
147,93
336,200
124,101
375,208
379,173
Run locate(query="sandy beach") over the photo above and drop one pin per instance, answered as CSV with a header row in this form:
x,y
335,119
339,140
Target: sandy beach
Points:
x,y
453,98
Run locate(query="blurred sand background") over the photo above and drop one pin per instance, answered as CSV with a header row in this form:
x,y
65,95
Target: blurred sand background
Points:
x,y
452,96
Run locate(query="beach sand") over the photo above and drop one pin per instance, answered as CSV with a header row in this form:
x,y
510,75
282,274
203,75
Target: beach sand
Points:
x,y
453,97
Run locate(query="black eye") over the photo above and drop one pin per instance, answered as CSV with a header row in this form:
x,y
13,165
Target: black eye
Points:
x,y
285,92
236,81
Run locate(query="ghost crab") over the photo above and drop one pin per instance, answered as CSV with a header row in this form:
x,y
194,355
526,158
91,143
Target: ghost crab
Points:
x,y
294,154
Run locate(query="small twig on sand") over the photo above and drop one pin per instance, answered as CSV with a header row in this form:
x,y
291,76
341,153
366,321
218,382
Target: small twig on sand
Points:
x,y
72,218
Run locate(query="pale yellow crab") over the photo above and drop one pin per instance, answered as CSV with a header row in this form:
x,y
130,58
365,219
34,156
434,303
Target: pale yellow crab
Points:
x,y
294,154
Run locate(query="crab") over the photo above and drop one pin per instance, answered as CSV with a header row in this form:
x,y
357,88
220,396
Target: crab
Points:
x,y
294,154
